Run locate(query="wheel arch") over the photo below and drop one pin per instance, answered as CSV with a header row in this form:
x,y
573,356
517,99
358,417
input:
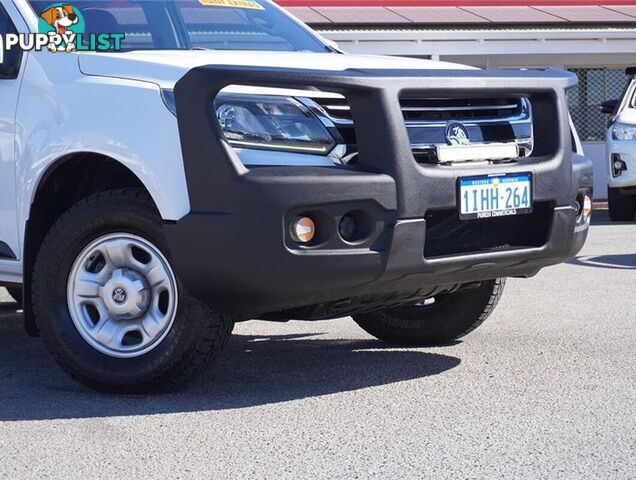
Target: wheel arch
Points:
x,y
65,182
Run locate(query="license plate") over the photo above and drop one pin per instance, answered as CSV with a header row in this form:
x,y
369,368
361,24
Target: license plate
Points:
x,y
495,195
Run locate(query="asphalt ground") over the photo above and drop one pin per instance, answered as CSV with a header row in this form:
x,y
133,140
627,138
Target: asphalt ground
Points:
x,y
546,388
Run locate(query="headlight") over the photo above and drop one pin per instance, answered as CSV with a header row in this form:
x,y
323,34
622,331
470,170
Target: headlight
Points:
x,y
272,123
622,131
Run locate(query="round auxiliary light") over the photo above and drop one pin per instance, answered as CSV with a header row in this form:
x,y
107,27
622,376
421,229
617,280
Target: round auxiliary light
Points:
x,y
348,228
587,206
618,165
303,230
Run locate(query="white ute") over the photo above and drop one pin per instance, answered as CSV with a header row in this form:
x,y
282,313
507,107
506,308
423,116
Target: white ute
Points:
x,y
171,167
621,152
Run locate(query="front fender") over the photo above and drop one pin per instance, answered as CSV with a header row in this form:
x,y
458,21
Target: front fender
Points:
x,y
62,113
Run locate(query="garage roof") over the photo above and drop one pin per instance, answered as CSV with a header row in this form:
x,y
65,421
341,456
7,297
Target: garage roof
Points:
x,y
325,13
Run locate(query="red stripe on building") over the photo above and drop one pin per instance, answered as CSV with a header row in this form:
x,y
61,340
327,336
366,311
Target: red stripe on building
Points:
x,y
449,3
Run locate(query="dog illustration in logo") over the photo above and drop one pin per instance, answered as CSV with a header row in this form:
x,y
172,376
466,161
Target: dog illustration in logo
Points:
x,y
60,18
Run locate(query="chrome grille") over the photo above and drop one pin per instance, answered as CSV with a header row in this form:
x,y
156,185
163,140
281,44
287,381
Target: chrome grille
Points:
x,y
487,120
433,110
438,109
336,108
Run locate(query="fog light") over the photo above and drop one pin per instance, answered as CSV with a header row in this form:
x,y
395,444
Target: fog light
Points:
x,y
347,228
618,165
303,230
587,207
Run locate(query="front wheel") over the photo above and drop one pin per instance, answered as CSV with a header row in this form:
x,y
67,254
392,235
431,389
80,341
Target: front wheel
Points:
x,y
435,321
109,305
621,206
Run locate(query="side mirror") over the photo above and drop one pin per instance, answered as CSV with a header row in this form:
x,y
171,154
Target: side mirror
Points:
x,y
609,107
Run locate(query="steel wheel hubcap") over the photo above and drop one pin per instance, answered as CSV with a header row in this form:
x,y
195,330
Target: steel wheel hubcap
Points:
x,y
122,295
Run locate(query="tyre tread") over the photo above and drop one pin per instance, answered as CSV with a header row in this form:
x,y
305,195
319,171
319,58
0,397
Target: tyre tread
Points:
x,y
216,327
385,324
620,206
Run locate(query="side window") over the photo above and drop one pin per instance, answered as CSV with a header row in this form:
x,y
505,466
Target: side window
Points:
x,y
9,59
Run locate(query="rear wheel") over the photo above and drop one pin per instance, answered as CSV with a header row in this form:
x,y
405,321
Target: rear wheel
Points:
x,y
109,305
435,321
621,206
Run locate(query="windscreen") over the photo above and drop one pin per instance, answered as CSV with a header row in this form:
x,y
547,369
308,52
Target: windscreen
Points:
x,y
192,24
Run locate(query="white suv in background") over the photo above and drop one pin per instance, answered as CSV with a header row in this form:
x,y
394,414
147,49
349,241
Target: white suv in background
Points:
x,y
621,151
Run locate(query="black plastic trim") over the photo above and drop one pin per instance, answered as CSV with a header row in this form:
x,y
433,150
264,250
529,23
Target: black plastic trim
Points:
x,y
233,250
6,252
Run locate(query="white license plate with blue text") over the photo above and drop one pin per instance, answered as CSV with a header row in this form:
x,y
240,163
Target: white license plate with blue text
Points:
x,y
495,195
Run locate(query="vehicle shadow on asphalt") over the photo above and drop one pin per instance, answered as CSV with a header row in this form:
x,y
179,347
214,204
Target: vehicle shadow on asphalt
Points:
x,y
625,261
254,370
601,218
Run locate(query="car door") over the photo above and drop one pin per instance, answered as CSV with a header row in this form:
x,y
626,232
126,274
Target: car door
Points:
x,y
9,91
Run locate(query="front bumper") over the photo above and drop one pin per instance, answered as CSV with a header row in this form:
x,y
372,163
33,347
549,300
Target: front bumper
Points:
x,y
626,152
234,251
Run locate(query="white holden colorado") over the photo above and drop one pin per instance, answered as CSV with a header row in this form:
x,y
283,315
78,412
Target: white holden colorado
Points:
x,y
222,162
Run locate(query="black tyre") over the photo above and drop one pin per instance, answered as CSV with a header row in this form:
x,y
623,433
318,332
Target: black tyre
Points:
x,y
16,294
621,206
447,318
108,304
